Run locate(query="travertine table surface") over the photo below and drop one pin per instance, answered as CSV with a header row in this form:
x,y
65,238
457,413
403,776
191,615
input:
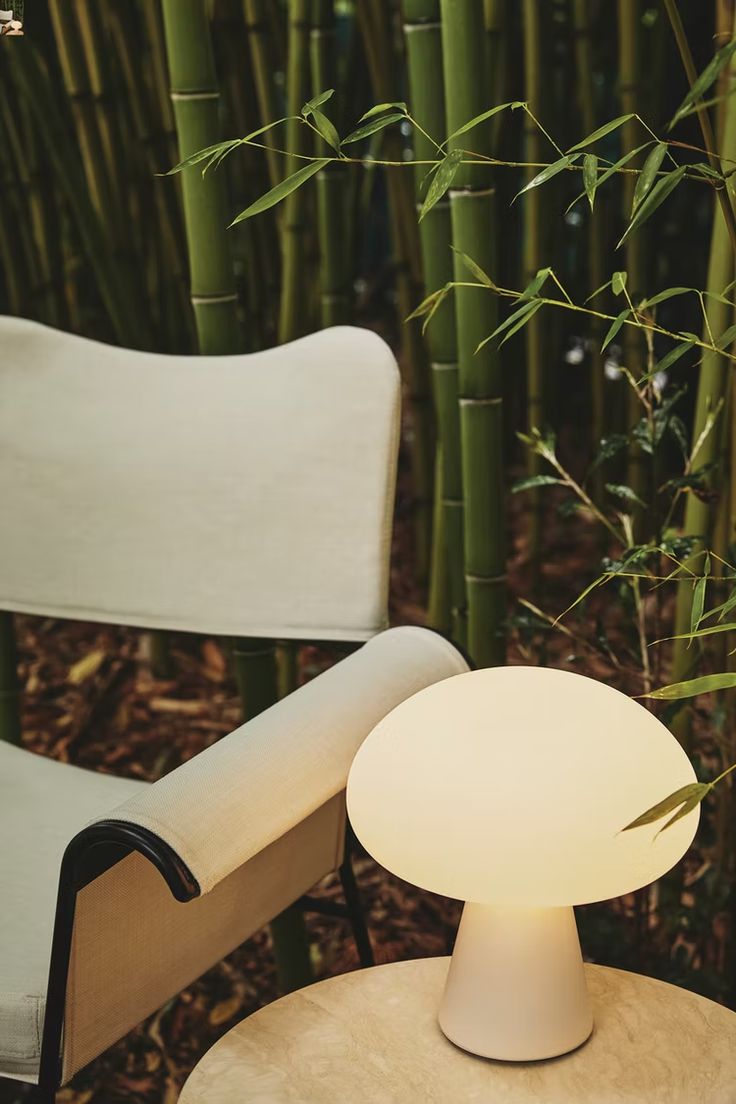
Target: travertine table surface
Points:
x,y
371,1037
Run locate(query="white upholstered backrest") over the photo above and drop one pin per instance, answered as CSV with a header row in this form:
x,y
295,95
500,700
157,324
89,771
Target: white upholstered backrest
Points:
x,y
248,495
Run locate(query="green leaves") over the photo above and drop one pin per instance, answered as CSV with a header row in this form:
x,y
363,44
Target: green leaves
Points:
x,y
618,282
395,105
374,126
474,269
515,321
441,181
546,174
684,800
282,190
327,129
615,327
625,494
484,115
590,177
601,132
648,174
706,684
536,481
696,613
706,79
429,306
311,105
654,199
208,154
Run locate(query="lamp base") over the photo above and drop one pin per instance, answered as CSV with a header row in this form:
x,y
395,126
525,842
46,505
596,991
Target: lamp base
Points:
x,y
516,988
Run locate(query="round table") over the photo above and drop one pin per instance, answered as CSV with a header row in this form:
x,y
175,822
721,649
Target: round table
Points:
x,y
371,1037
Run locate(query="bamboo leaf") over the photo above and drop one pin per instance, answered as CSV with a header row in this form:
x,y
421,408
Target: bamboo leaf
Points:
x,y
723,609
615,327
654,199
610,171
590,177
372,127
394,106
327,129
704,81
726,338
208,153
473,268
696,611
668,293
668,804
601,132
728,626
282,190
618,282
648,173
478,119
535,285
547,174
626,494
706,684
536,481
441,181
534,305
317,101
530,306
673,355
692,803
427,303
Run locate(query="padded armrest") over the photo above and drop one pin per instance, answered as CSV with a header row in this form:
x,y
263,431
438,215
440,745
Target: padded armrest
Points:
x,y
289,760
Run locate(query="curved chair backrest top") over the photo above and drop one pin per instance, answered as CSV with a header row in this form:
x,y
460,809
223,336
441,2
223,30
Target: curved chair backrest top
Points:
x,y
248,495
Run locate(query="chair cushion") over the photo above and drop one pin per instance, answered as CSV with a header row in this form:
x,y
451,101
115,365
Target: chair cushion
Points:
x,y
43,804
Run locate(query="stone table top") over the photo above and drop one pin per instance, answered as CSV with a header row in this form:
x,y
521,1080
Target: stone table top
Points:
x,y
371,1037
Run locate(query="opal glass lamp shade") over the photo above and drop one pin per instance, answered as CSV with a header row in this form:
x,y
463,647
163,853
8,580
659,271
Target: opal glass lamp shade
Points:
x,y
508,788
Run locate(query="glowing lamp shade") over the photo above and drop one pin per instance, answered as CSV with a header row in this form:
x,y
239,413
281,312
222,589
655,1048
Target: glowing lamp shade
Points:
x,y
508,788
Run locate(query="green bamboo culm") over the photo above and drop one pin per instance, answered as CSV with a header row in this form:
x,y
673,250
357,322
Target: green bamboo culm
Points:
x,y
533,251
333,282
384,63
480,382
9,690
629,24
262,64
586,101
423,33
713,385
195,97
292,319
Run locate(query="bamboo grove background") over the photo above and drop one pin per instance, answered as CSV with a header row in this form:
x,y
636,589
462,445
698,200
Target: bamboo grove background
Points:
x,y
101,98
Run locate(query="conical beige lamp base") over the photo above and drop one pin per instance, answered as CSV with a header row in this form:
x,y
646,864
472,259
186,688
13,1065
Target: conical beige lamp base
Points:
x,y
516,988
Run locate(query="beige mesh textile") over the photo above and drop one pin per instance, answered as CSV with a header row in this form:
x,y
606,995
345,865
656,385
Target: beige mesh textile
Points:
x,y
247,495
134,946
258,818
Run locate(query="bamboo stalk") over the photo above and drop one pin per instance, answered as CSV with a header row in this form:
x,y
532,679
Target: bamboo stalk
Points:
x,y
480,383
32,81
533,253
383,66
629,23
424,56
292,312
713,380
586,99
195,98
334,305
263,67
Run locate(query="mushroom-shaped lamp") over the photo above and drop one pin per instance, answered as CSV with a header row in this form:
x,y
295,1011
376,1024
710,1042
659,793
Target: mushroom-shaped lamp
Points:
x,y
508,788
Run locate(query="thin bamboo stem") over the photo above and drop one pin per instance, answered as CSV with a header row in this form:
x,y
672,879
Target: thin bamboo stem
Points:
x,y
9,691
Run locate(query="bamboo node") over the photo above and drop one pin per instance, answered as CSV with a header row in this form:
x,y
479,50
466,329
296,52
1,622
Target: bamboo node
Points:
x,y
487,580
205,94
481,402
211,300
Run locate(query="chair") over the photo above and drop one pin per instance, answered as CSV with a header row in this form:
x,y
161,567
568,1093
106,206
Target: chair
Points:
x,y
247,496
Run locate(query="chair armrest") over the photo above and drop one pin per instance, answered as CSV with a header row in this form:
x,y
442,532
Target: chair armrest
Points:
x,y
224,806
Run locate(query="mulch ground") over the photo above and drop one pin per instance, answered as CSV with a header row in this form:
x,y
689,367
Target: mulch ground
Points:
x,y
91,699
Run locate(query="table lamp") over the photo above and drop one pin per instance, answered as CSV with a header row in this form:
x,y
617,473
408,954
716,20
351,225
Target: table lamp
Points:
x,y
508,788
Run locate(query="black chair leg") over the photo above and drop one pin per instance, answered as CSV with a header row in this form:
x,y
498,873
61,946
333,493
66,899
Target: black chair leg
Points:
x,y
355,911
